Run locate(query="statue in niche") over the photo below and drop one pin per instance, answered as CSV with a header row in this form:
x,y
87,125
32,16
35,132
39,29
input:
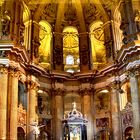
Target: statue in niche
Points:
x,y
21,30
137,19
5,23
36,46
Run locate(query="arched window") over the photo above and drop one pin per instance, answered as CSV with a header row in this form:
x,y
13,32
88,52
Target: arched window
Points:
x,y
45,36
71,49
97,45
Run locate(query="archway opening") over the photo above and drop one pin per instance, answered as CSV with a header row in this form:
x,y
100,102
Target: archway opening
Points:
x,y
20,133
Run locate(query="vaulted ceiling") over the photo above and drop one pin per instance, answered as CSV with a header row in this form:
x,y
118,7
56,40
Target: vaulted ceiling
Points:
x,y
79,13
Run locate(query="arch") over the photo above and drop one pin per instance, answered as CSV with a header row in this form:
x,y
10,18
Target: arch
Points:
x,y
20,133
97,44
71,49
45,36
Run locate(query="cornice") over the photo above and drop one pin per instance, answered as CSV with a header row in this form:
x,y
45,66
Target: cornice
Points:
x,y
128,51
20,52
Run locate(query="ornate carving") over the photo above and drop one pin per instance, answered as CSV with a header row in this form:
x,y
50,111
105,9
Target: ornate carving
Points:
x,y
137,20
3,54
5,22
50,10
21,116
86,91
14,72
102,123
133,73
90,12
102,104
128,23
59,92
21,30
36,45
3,70
127,116
32,85
70,13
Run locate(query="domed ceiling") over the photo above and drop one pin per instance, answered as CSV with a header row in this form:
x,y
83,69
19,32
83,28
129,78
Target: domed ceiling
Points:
x,y
78,13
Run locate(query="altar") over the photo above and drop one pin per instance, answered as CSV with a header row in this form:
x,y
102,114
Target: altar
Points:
x,y
74,125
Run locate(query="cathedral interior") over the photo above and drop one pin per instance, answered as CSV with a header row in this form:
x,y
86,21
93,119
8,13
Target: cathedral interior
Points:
x,y
69,69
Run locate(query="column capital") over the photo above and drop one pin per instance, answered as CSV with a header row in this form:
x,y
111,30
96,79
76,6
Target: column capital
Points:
x,y
32,85
3,70
59,92
133,73
14,72
86,91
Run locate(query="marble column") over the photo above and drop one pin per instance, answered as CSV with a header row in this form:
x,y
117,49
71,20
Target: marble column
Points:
x,y
59,114
3,102
87,112
115,112
32,100
13,104
134,87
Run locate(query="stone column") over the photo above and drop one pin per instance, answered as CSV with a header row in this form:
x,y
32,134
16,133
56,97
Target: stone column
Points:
x,y
13,104
58,52
84,52
115,112
59,111
134,87
87,112
3,102
32,98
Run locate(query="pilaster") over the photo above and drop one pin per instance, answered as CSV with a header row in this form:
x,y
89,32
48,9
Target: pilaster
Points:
x,y
12,103
134,87
32,103
87,111
115,111
59,111
3,102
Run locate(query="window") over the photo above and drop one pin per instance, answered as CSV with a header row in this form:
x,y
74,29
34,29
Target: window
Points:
x,y
45,37
71,49
97,45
